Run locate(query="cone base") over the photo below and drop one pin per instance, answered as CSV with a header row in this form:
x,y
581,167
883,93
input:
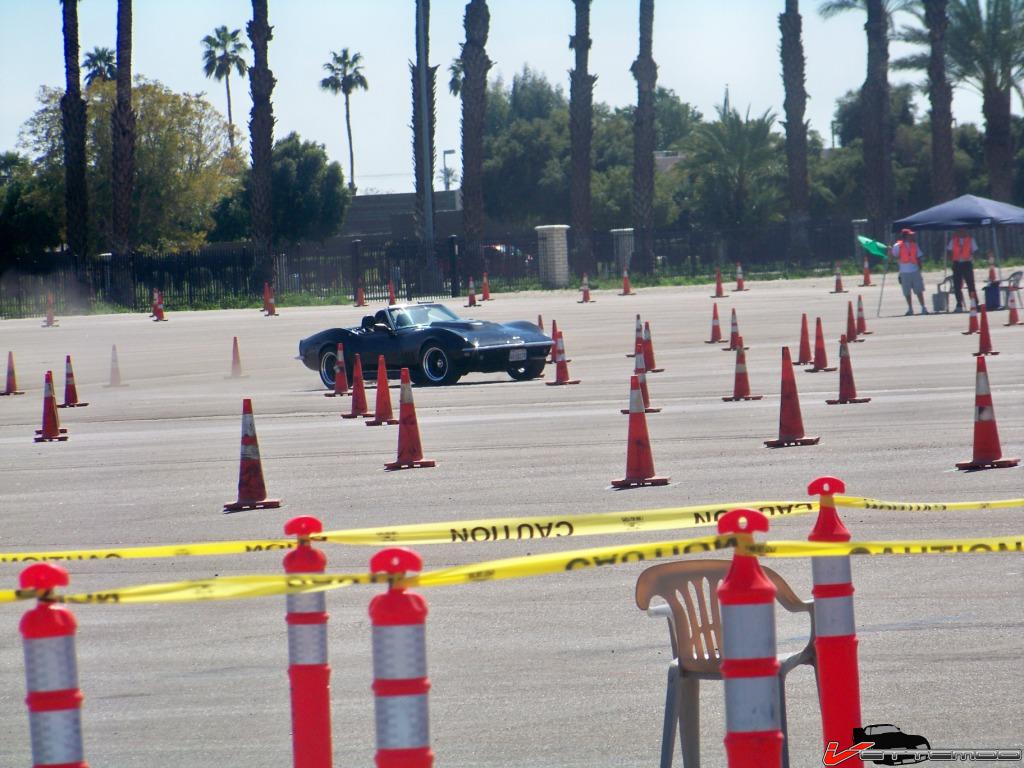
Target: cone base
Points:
x,y
50,325
994,464
838,291
159,319
748,397
850,400
41,438
984,354
466,306
740,290
337,394
357,415
72,405
557,383
422,463
969,333
654,370
790,441
719,296
639,482
271,314
19,392
1007,325
380,422
631,293
240,505
866,285
715,341
364,304
856,341
864,333
110,386
733,349
646,410
819,370
588,301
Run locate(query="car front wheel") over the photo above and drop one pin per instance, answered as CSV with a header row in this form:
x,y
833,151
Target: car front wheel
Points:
x,y
526,370
436,366
328,357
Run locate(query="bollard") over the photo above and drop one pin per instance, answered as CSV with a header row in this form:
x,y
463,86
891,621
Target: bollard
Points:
x,y
750,669
51,673
400,682
835,643
308,670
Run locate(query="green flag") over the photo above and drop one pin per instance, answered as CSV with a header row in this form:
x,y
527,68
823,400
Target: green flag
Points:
x,y
875,248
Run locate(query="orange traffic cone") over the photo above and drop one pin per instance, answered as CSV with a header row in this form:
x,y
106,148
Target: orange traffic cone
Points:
x,y
741,383
972,319
627,289
540,323
1013,305
269,303
52,429
236,361
391,293
804,355
639,459
719,292
987,452
561,369
862,324
340,374
382,413
992,277
851,324
152,303
791,423
867,274
839,281
984,340
359,407
360,295
585,287
70,390
158,308
49,322
740,286
847,387
485,289
554,341
472,293
716,328
734,335
410,452
648,346
640,372
252,491
12,380
820,358
638,335
115,370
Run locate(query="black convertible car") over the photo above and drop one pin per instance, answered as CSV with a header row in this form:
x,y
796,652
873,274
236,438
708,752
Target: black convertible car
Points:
x,y
435,344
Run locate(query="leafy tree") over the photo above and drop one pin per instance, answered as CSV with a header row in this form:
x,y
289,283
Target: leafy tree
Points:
x,y
28,224
581,128
100,65
345,76
222,52
674,119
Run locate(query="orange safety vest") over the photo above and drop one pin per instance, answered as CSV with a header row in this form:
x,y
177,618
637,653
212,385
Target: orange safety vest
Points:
x,y
962,248
907,252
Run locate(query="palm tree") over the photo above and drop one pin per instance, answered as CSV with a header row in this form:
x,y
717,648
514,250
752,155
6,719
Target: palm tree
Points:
x,y
798,185
122,124
222,52
261,139
645,71
72,110
472,86
581,132
99,65
455,76
346,75
424,89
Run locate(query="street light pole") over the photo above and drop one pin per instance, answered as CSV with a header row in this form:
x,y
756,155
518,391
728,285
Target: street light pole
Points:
x,y
444,168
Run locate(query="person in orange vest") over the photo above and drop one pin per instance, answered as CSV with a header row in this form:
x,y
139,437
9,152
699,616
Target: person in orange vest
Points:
x,y
908,255
961,248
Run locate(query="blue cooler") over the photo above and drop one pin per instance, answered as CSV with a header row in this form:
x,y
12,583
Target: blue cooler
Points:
x,y
992,298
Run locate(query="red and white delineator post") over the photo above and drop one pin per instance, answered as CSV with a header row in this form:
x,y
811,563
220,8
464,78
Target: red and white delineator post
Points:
x,y
308,670
835,643
750,668
51,673
400,682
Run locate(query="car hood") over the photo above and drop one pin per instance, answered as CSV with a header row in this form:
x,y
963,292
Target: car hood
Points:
x,y
484,331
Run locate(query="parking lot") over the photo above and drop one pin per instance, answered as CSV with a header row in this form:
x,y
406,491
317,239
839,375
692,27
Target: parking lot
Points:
x,y
557,670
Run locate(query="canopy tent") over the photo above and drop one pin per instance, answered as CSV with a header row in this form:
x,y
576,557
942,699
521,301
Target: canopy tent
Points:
x,y
966,211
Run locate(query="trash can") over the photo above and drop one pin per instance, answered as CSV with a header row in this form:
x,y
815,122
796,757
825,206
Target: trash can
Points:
x,y
992,298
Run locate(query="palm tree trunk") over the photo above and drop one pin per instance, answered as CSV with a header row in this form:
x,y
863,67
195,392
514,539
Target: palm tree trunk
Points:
x,y
795,104
351,153
261,140
72,109
423,159
581,130
645,71
475,64
122,123
940,95
998,141
231,122
877,123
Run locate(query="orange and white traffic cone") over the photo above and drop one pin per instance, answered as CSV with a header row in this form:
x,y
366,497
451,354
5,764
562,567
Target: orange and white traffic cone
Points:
x,y
158,308
359,407
716,328
585,287
561,366
988,454
740,286
554,341
820,357
269,303
152,303
11,388
972,318
639,459
735,341
984,340
791,423
839,281
847,387
49,322
340,374
1013,305
236,361
485,289
540,323
252,491
992,277
866,283
804,354
648,346
360,295
391,293
410,452
115,370
70,390
627,289
638,334
741,383
862,324
382,413
719,291
472,293
640,372
851,324
51,429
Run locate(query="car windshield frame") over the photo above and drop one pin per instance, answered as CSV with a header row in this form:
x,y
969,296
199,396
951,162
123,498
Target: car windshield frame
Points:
x,y
878,730
423,314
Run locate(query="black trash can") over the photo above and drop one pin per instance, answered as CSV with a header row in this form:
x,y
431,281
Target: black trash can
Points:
x,y
992,300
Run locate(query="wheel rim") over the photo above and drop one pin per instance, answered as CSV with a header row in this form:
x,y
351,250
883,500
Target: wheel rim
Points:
x,y
327,363
435,364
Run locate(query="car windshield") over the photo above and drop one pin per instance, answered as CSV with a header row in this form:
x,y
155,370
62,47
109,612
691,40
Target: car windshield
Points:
x,y
879,729
423,314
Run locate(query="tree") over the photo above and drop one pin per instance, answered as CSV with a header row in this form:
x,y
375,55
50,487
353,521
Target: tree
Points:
x,y
473,67
581,128
72,109
346,76
455,77
122,126
645,71
261,139
424,102
28,224
798,183
222,52
99,65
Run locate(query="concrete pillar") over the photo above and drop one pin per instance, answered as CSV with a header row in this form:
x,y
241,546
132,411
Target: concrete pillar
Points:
x,y
553,255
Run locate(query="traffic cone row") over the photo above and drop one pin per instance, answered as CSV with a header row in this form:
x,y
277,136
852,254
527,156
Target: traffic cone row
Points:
x,y
410,451
640,373
847,387
739,278
741,385
359,407
11,387
485,289
70,390
382,413
972,318
639,459
984,340
627,289
839,281
716,328
791,423
340,374
719,291
252,491
51,429
472,294
988,454
585,288
269,304
820,357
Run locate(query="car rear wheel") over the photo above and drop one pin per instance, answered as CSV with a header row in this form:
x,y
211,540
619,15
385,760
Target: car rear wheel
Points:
x,y
526,370
436,366
328,357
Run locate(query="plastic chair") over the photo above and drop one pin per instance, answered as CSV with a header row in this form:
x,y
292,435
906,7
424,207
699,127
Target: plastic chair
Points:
x,y
943,294
690,592
1012,283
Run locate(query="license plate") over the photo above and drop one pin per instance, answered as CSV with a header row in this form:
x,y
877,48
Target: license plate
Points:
x,y
516,354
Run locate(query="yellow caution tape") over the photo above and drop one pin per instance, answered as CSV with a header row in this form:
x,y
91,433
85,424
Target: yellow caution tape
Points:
x,y
983,545
162,550
860,502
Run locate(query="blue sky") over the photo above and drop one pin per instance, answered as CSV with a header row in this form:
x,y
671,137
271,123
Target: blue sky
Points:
x,y
699,45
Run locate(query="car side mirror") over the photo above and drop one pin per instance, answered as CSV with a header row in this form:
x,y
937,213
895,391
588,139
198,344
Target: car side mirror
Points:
x,y
383,328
